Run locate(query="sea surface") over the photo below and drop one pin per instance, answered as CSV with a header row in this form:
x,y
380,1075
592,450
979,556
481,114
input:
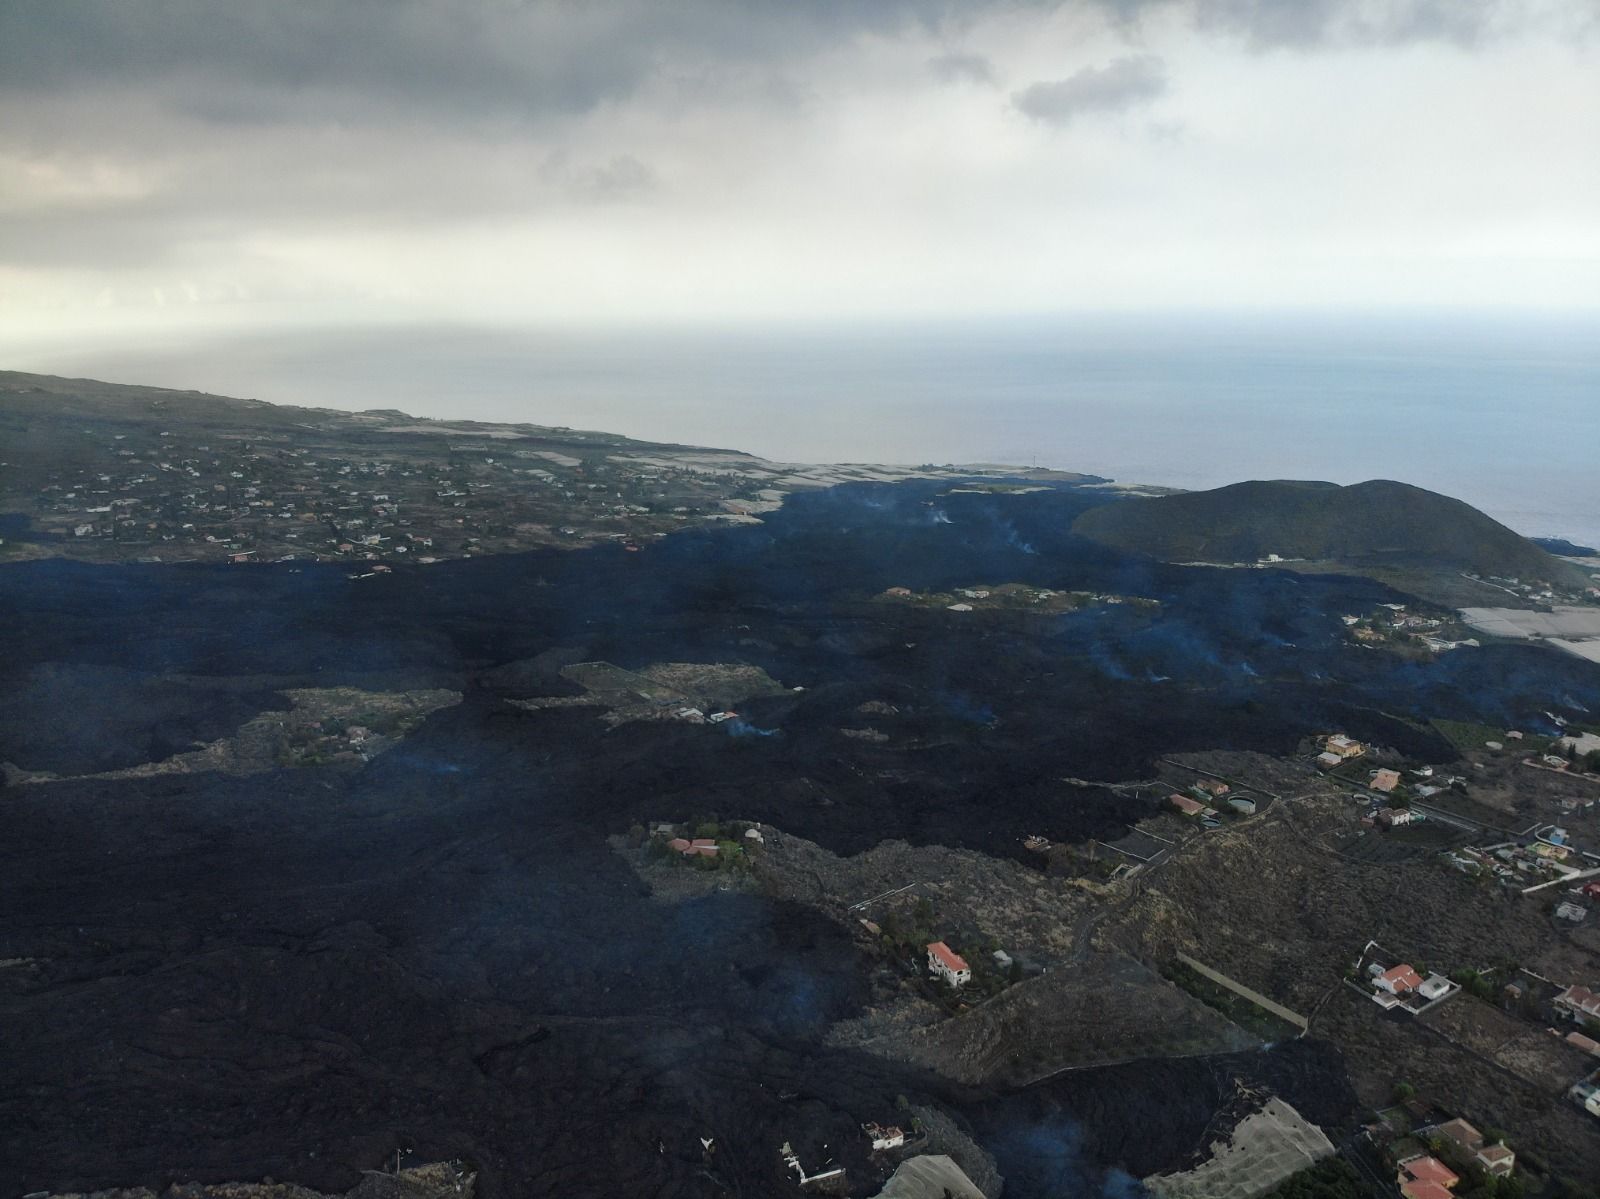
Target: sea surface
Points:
x,y
1503,412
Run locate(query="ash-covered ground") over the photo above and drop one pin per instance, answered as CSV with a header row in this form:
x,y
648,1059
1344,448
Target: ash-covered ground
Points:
x,y
294,973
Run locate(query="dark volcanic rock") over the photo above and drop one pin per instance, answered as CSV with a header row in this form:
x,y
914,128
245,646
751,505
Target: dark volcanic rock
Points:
x,y
295,974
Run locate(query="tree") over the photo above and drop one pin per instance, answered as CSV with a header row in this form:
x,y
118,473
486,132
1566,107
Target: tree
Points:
x,y
1404,1091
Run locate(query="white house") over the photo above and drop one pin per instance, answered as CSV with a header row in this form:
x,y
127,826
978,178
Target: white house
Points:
x,y
891,1137
946,963
1435,986
1397,980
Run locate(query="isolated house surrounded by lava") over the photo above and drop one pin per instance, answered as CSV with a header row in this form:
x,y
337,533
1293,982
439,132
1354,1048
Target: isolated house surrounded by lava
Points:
x,y
946,963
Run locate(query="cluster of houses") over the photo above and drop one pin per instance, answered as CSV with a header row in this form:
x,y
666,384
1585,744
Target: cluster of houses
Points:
x,y
696,716
1203,795
1426,1177
1391,984
1338,749
1431,632
1430,1155
702,847
1539,590
247,497
1540,860
1580,1004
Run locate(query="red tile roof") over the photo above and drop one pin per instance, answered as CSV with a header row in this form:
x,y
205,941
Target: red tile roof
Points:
x,y
1385,780
1429,1169
1461,1133
1424,1190
1402,977
949,958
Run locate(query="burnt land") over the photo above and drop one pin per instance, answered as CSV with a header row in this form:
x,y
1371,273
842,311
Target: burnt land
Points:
x,y
295,973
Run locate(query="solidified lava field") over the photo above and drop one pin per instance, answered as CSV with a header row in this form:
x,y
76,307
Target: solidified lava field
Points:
x,y
294,974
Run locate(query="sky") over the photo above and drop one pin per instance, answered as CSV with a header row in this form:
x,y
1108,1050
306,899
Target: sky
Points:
x,y
177,167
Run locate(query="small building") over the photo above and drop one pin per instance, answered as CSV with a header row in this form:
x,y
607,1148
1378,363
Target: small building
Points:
x,y
946,963
1496,1160
1398,980
704,847
884,1137
1189,807
1587,1095
1571,912
1461,1134
1467,1146
1242,805
1384,780
1394,817
679,845
1578,1003
1212,787
1327,761
1435,986
1343,746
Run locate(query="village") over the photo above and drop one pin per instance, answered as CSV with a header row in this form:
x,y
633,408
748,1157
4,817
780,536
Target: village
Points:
x,y
929,936
350,492
159,476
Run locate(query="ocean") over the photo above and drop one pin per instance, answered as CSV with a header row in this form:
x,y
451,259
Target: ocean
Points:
x,y
1501,412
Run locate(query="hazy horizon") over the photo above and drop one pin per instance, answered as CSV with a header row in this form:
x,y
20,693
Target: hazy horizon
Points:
x,y
839,231
1499,413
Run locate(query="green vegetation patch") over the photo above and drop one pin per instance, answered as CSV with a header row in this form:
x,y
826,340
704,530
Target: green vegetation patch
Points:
x,y
1235,1007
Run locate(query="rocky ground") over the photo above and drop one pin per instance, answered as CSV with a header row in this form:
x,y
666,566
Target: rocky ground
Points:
x,y
298,972
438,1180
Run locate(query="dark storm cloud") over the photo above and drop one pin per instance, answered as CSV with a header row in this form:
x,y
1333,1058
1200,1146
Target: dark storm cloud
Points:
x,y
962,68
498,56
245,62
1119,85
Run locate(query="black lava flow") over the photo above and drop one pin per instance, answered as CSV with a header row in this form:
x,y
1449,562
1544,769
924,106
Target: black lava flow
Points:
x,y
296,974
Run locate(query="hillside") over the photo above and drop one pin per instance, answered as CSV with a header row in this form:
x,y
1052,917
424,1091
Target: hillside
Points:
x,y
107,472
1377,524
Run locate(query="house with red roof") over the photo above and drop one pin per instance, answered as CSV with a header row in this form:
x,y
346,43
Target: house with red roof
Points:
x,y
946,963
1426,1170
1578,1003
1423,1190
1398,980
1189,807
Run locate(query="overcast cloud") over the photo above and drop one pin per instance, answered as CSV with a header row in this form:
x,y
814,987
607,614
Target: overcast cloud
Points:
x,y
1121,84
173,162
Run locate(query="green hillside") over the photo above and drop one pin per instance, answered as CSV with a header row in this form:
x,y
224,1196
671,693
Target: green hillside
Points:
x,y
1377,524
